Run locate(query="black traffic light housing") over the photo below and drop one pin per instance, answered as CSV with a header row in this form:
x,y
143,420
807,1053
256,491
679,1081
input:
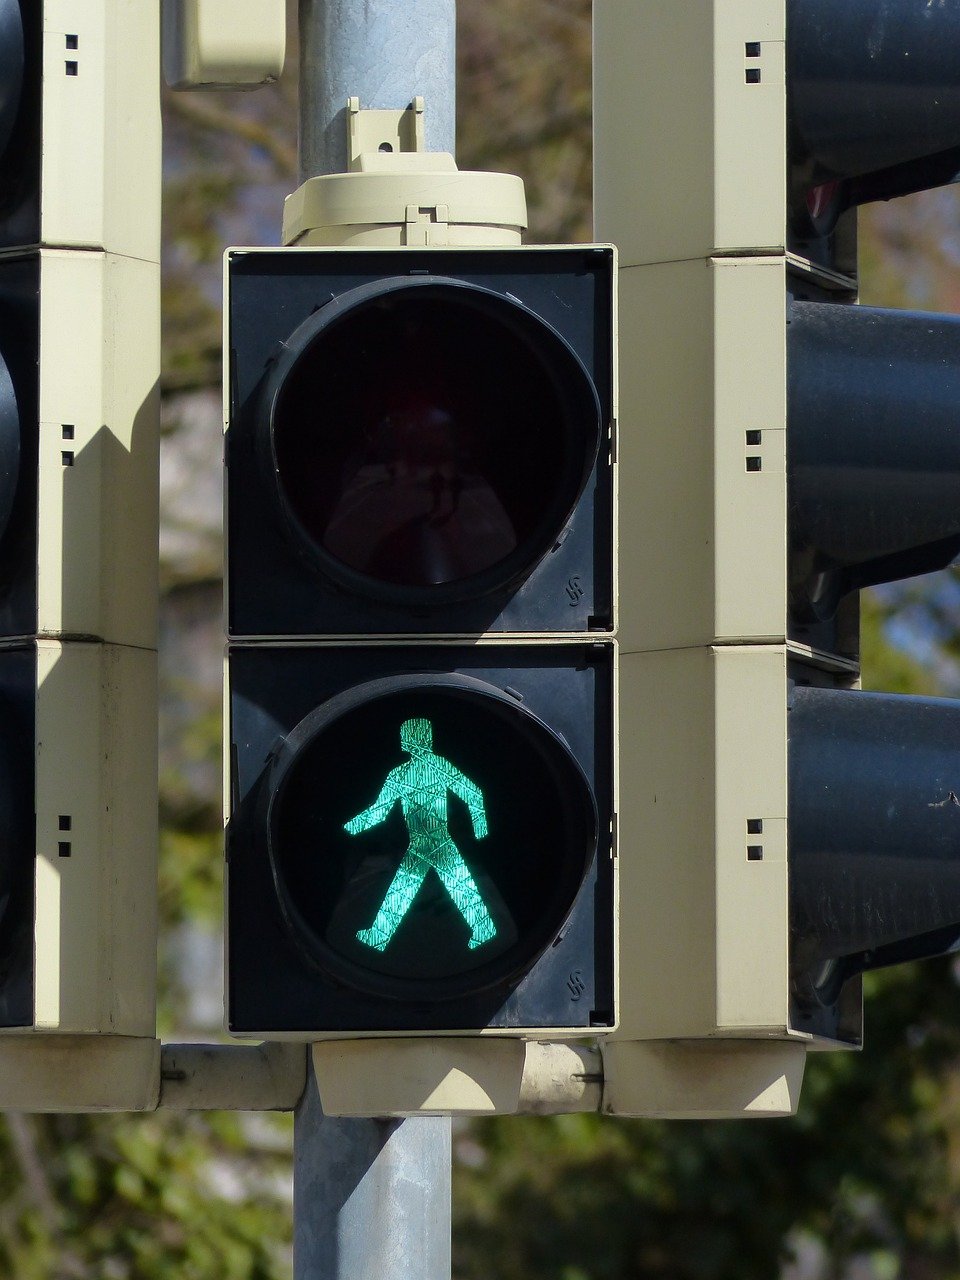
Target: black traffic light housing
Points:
x,y
874,104
316,731
355,375
873,470
420,595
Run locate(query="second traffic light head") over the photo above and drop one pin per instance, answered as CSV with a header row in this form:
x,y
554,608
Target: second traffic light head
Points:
x,y
873,449
874,103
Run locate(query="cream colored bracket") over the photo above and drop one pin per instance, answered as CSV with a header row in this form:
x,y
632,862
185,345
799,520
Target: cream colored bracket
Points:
x,y
702,453
223,44
397,194
99,446
718,1080
702,1080
96,820
690,127
703,844
76,1074
383,132
455,1076
101,126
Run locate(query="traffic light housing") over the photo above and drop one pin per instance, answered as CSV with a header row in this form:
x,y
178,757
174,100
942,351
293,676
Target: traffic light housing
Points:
x,y
421,662
507,346
779,450
79,367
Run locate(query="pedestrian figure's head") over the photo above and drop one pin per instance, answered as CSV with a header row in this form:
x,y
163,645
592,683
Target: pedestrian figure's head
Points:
x,y
416,736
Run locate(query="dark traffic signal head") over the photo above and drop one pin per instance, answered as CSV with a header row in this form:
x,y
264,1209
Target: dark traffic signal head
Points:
x,y
873,471
419,452
873,449
420,838
874,836
874,103
419,445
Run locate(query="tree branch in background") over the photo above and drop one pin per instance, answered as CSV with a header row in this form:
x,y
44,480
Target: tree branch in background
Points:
x,y
206,115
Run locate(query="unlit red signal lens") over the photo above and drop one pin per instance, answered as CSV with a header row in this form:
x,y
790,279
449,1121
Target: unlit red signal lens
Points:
x,y
821,200
430,437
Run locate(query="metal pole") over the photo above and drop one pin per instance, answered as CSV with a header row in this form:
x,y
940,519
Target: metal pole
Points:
x,y
384,52
371,1198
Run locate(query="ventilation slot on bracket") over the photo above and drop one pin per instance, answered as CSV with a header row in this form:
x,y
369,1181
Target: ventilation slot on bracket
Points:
x,y
754,441
752,51
754,851
64,823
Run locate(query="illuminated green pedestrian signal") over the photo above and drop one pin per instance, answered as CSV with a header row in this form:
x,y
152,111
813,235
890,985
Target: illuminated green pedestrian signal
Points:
x,y
421,787
447,882
429,838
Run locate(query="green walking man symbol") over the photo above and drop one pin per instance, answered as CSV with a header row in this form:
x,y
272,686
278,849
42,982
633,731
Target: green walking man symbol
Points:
x,y
421,785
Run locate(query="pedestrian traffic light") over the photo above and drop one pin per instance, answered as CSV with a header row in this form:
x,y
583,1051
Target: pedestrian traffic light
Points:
x,y
780,449
79,364
421,667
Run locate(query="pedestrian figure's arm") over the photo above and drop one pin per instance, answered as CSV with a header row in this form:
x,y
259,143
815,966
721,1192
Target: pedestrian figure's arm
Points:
x,y
384,802
472,797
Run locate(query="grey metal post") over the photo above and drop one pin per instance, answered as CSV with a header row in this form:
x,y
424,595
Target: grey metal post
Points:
x,y
371,1198
384,52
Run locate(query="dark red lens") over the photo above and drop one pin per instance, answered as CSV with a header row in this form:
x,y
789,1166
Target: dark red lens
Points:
x,y
425,438
821,199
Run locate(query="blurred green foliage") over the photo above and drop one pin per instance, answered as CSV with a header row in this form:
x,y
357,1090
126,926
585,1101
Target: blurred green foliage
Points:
x,y
140,1198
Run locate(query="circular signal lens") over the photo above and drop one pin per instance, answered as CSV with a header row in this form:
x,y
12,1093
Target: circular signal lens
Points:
x,y
427,836
427,440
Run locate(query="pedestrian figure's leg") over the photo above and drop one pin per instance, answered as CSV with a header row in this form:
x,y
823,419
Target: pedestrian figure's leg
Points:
x,y
396,903
462,888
